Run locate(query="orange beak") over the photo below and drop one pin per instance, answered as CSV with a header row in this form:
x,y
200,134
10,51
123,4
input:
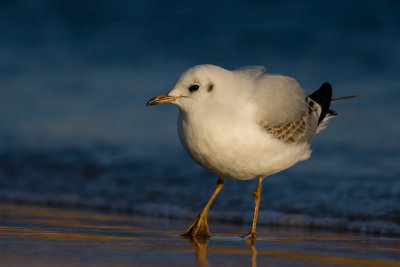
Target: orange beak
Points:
x,y
165,98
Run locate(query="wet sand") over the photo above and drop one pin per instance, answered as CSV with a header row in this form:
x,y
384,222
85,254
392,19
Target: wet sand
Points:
x,y
41,236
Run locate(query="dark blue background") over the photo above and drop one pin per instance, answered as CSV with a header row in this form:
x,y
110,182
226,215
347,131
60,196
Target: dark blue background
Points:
x,y
75,76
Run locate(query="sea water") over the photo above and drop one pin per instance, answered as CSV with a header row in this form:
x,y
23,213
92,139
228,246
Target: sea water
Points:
x,y
75,132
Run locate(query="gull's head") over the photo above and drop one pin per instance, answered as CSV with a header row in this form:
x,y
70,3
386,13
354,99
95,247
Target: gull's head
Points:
x,y
198,86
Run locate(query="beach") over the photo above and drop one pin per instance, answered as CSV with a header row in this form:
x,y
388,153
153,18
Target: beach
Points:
x,y
45,236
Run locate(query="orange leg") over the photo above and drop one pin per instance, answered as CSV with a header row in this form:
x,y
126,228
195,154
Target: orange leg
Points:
x,y
200,226
257,196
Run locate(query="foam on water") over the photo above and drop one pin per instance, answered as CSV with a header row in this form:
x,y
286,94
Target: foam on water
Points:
x,y
112,179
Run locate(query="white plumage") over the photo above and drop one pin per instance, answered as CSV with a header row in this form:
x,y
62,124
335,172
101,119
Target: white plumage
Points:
x,y
245,124
221,129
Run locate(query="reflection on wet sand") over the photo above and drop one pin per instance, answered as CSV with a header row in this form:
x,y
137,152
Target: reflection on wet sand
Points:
x,y
200,245
252,243
38,236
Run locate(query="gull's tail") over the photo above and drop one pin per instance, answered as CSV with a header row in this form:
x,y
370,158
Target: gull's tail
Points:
x,y
323,97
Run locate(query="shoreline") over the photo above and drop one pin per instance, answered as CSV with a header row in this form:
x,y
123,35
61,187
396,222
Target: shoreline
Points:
x,y
269,219
62,237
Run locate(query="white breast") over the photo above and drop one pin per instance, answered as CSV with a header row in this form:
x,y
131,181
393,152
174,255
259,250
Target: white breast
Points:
x,y
233,145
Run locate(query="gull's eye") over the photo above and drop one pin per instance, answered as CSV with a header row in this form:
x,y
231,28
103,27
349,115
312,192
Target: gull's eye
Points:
x,y
194,87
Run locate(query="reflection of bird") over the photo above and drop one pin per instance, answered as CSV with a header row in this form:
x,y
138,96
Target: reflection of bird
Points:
x,y
245,124
201,249
252,244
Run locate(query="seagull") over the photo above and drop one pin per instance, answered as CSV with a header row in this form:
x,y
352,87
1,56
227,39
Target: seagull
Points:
x,y
245,124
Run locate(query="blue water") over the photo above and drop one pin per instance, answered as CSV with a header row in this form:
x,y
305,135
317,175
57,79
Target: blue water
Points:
x,y
74,131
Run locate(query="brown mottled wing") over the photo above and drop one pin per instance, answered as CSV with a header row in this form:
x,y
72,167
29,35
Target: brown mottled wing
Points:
x,y
299,131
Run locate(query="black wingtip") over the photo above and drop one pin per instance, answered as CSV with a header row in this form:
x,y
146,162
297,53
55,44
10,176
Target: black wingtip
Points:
x,y
323,97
